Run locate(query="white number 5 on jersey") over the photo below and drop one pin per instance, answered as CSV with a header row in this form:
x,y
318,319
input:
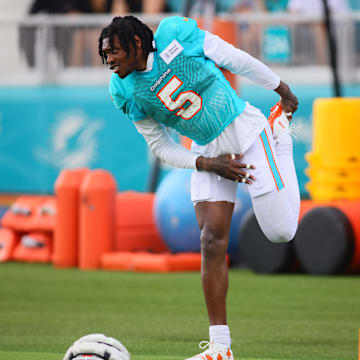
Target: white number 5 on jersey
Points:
x,y
188,103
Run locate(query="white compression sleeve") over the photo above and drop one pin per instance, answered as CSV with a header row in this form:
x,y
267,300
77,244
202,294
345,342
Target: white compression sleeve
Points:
x,y
239,62
163,146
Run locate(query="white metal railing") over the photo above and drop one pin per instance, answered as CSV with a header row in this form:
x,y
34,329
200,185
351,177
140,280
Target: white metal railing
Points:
x,y
63,49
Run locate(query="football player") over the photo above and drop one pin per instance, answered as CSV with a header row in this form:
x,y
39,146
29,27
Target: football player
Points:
x,y
172,80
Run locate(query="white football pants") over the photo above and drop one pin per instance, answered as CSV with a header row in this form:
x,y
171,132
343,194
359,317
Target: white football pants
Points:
x,y
275,193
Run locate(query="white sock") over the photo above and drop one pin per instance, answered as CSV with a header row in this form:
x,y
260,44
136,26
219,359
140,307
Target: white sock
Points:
x,y
220,335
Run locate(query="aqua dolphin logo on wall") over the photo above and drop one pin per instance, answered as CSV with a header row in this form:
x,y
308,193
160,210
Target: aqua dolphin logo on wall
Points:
x,y
73,141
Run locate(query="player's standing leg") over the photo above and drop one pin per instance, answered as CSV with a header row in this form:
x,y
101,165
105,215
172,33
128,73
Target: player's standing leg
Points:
x,y
214,220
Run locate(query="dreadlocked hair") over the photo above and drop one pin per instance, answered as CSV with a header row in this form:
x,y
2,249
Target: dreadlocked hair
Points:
x,y
125,28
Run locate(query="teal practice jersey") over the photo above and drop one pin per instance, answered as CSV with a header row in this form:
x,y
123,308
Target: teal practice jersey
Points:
x,y
184,90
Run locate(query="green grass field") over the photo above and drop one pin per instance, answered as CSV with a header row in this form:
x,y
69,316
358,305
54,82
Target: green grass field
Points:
x,y
162,316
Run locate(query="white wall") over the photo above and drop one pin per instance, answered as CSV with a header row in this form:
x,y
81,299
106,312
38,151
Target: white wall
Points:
x,y
12,7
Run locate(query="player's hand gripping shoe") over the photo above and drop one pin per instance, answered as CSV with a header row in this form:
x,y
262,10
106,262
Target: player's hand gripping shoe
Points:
x,y
279,122
213,352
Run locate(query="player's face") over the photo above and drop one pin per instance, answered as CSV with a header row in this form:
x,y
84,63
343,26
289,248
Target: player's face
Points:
x,y
118,59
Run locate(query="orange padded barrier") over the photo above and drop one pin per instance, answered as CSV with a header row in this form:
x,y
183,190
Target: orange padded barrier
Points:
x,y
147,262
134,209
351,208
67,190
45,216
8,241
31,213
135,224
97,218
138,239
34,247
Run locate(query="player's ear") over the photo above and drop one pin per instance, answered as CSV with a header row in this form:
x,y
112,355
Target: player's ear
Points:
x,y
138,42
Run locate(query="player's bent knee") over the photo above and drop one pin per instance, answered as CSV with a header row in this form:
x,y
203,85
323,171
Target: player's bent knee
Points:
x,y
281,235
281,239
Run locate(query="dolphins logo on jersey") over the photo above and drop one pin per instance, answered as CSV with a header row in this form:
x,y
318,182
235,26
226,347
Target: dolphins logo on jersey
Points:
x,y
160,79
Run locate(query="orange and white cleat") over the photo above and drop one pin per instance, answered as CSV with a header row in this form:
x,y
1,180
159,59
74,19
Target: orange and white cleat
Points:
x,y
279,122
213,352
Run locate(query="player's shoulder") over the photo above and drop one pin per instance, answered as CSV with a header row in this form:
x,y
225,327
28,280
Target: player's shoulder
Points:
x,y
122,87
177,27
176,23
121,93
